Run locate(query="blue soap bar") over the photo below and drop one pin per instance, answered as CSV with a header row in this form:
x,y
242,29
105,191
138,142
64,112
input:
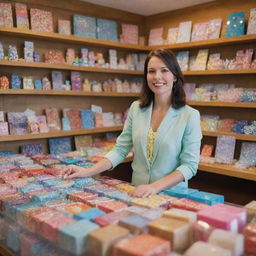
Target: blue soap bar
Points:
x,y
83,182
45,197
206,198
51,183
72,237
12,238
180,192
31,187
135,223
89,214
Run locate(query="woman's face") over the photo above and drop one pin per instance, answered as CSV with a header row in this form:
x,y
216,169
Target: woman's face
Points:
x,y
160,79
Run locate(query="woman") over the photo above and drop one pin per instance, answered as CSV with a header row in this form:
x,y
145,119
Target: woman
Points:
x,y
163,130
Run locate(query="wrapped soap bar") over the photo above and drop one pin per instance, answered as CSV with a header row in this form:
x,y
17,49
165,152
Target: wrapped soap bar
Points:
x,y
27,241
239,213
142,245
250,238
176,231
73,237
111,218
100,241
189,205
137,210
180,192
201,249
228,240
3,228
112,206
201,231
99,200
83,182
120,196
219,219
206,198
82,196
73,208
50,228
125,187
12,238
45,197
8,197
136,224
251,209
153,213
89,214
180,214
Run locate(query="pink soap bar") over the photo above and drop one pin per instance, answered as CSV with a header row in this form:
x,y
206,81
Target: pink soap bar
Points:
x,y
201,231
111,218
142,245
51,226
189,205
219,218
82,196
112,206
238,212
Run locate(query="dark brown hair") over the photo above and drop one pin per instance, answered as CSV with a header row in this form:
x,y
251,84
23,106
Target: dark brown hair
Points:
x,y
178,97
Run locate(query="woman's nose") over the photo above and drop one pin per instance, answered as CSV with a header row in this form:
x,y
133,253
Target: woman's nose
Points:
x,y
158,74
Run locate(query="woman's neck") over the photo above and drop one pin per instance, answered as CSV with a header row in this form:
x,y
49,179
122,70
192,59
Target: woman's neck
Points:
x,y
162,103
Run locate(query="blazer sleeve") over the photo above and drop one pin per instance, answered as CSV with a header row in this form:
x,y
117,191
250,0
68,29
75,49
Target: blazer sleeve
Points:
x,y
124,141
191,142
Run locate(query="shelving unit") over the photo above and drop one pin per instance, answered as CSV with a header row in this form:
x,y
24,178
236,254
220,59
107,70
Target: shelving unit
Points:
x,y
119,101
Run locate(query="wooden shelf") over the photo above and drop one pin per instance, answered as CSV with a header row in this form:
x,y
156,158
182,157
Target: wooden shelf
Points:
x,y
229,170
208,43
236,135
55,37
4,251
223,169
66,93
223,104
249,71
24,64
60,134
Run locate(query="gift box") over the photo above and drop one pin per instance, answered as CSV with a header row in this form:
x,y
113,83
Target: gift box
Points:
x,y
73,237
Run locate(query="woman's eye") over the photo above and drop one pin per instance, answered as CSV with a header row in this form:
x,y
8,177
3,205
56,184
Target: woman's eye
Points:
x,y
165,70
151,71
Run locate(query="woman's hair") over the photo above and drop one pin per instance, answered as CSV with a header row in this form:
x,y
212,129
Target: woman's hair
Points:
x,y
178,97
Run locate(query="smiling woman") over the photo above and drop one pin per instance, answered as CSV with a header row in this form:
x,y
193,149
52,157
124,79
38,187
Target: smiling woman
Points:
x,y
164,132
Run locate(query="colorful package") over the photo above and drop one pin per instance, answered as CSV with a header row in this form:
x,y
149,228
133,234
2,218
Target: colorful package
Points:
x,y
21,16
41,20
106,30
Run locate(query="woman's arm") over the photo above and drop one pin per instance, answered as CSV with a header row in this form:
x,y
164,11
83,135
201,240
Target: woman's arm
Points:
x,y
166,182
74,171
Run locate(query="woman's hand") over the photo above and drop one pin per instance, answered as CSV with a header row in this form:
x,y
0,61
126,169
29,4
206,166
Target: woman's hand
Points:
x,y
74,171
143,191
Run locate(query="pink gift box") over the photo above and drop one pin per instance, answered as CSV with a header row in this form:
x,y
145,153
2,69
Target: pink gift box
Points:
x,y
219,218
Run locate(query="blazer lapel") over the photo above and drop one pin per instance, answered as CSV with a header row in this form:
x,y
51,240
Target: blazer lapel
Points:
x,y
165,125
145,125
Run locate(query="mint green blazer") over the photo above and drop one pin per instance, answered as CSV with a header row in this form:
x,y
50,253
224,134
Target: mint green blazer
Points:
x,y
177,143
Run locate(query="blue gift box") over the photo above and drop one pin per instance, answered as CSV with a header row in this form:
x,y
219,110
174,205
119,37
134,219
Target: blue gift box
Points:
x,y
107,30
206,198
73,237
84,26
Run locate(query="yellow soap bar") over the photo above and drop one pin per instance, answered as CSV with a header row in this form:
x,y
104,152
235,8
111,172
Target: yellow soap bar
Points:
x,y
180,214
176,231
101,241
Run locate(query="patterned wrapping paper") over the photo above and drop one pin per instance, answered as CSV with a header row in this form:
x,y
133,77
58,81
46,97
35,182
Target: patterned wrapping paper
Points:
x,y
225,149
64,27
53,119
130,34
199,31
84,26
8,197
155,36
27,241
251,29
112,206
213,29
201,60
83,182
17,122
106,30
144,244
235,24
172,35
83,141
74,117
184,32
6,15
41,20
21,16
87,117
32,149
